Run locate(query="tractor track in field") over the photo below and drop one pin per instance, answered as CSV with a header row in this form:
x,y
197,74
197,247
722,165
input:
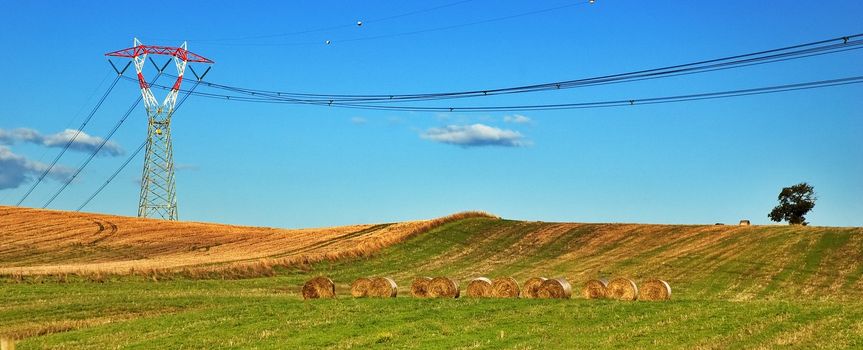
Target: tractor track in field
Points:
x,y
112,228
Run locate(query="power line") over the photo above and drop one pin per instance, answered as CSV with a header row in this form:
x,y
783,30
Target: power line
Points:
x,y
99,148
829,46
111,178
576,105
621,102
129,160
75,116
71,140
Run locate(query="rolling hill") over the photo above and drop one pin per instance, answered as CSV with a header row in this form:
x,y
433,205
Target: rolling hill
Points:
x,y
733,287
704,261
41,242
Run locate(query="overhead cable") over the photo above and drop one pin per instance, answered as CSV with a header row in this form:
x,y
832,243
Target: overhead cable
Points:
x,y
829,46
99,147
69,143
131,157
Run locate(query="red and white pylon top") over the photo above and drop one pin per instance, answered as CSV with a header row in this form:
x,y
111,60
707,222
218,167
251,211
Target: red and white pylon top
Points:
x,y
179,52
157,112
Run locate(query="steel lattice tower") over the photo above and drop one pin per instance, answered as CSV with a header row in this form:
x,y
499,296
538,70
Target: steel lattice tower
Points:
x,y
158,191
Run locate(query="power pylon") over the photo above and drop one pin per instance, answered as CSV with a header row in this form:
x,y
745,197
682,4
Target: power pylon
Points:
x,y
158,191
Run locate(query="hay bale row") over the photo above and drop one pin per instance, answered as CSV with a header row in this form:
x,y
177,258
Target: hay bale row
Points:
x,y
506,287
626,289
483,287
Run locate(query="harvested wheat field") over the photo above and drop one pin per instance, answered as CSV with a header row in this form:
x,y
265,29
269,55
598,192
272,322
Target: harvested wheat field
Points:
x,y
53,242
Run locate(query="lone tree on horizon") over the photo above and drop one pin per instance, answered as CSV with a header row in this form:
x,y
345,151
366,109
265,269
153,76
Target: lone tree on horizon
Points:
x,y
794,202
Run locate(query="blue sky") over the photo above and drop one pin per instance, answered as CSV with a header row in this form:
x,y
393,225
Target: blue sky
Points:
x,y
301,166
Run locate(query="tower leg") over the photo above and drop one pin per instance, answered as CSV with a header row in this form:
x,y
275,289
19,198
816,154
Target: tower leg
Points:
x,y
158,191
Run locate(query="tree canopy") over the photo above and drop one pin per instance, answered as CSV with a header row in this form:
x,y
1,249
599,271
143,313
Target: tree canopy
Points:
x,y
794,202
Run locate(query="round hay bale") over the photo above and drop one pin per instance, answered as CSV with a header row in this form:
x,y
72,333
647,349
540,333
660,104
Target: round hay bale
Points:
x,y
420,287
383,287
622,289
531,287
479,288
360,287
745,222
443,287
319,287
596,289
557,288
505,287
654,290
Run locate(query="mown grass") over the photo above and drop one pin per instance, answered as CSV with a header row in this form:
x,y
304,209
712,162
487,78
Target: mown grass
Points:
x,y
769,265
258,314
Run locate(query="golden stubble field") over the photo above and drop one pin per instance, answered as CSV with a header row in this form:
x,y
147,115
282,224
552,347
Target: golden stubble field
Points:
x,y
43,242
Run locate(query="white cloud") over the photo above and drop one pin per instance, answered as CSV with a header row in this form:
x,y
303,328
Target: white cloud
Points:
x,y
8,137
82,143
516,118
359,120
16,170
475,135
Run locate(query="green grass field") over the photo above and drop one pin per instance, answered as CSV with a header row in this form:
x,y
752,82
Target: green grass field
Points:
x,y
733,288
